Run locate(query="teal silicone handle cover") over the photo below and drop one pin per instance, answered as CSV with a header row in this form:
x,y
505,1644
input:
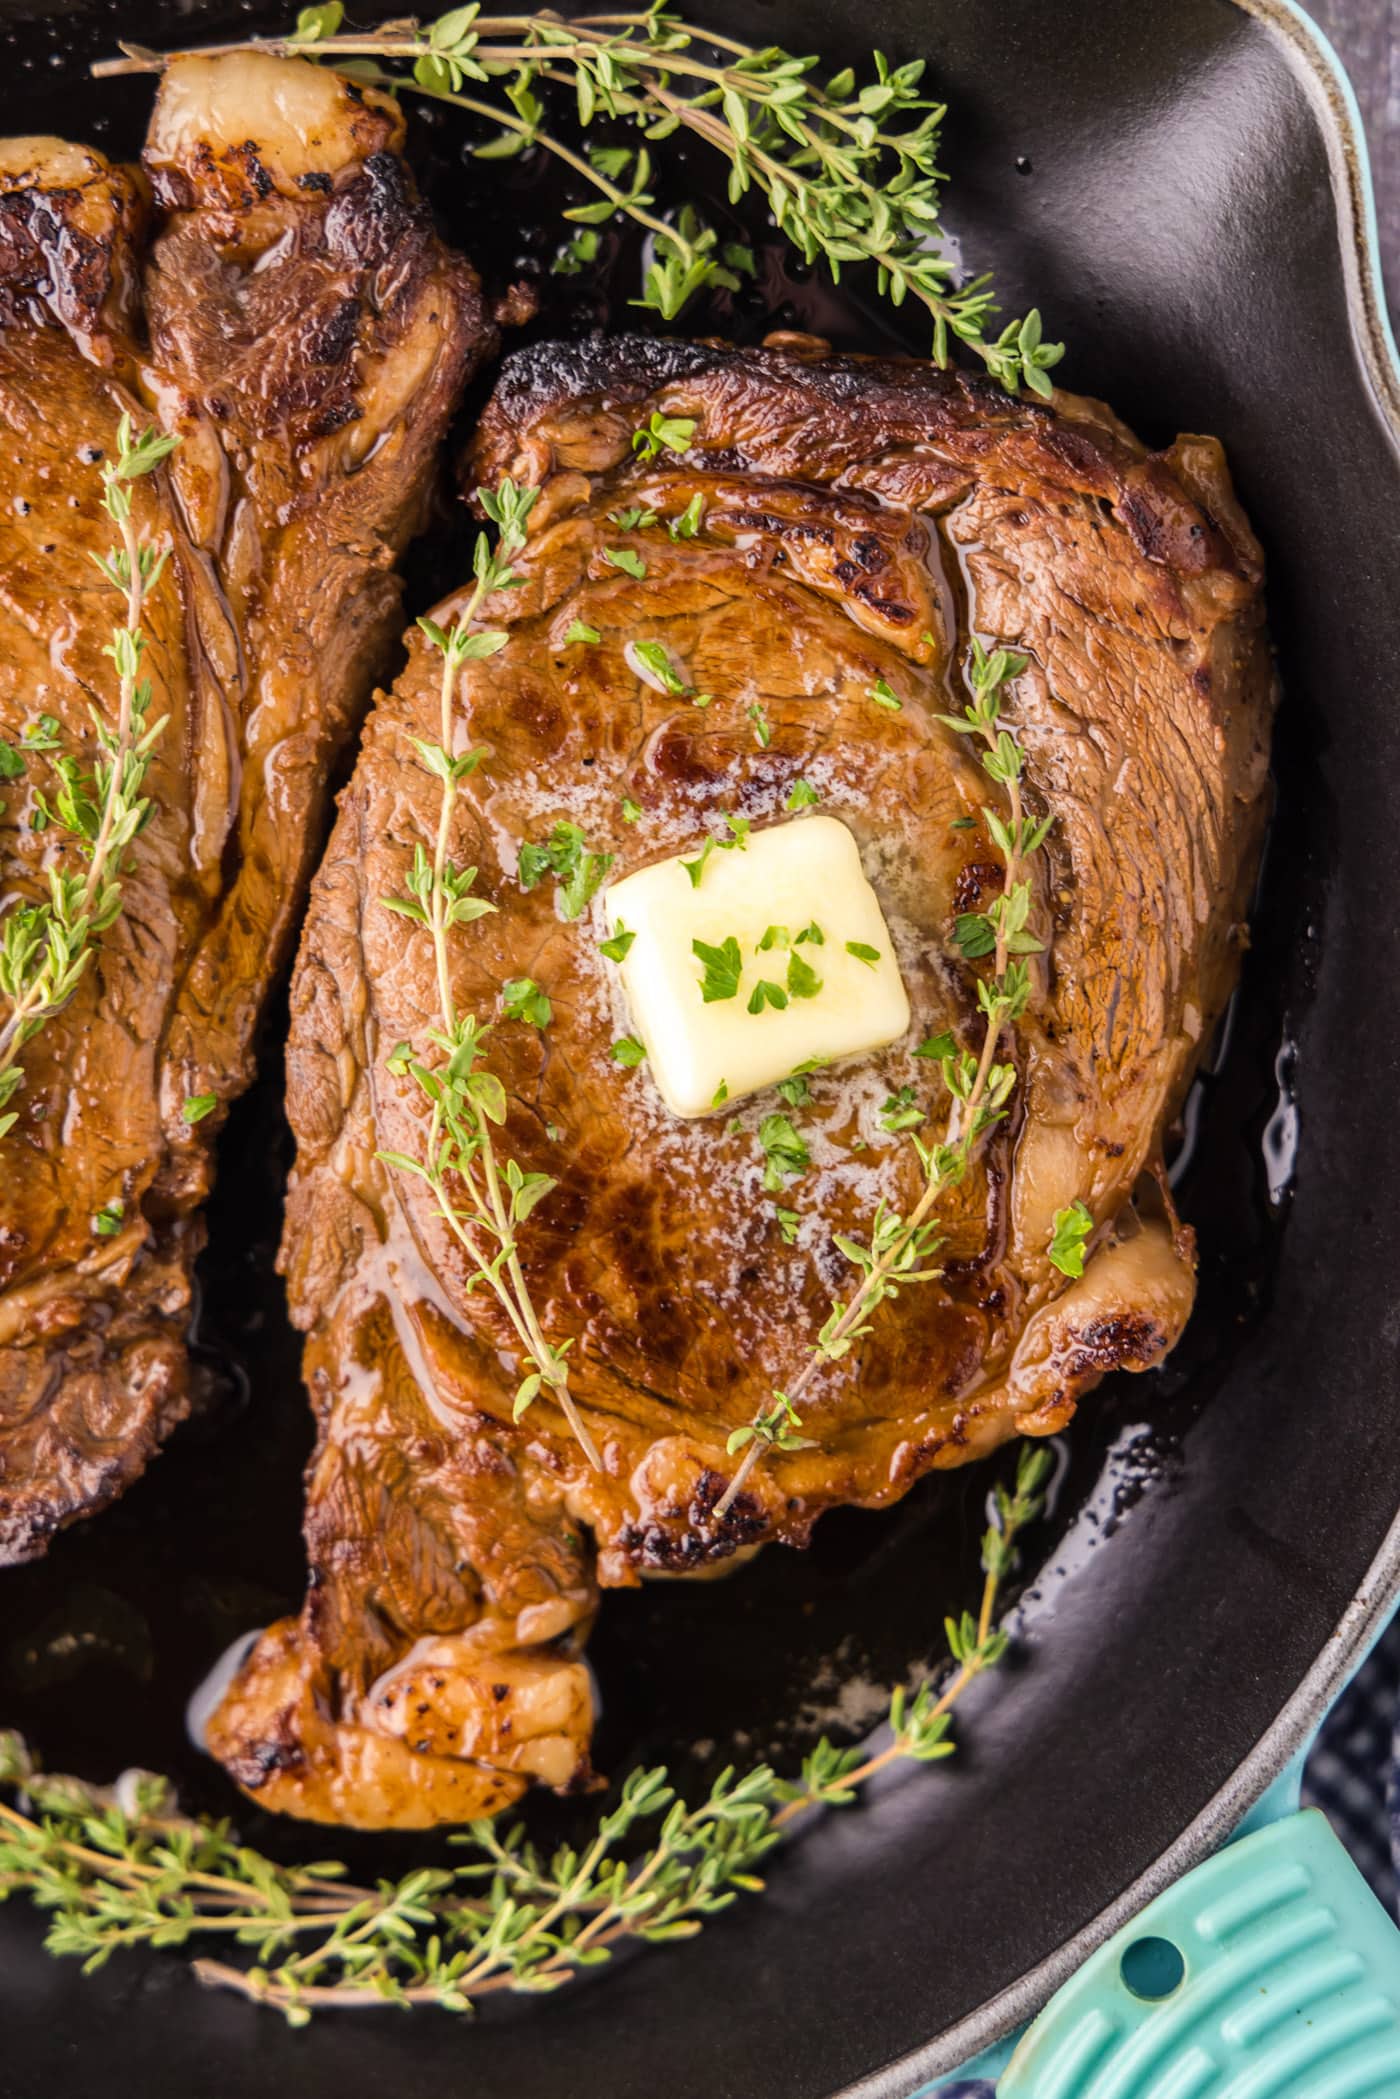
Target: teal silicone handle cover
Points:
x,y
1270,1972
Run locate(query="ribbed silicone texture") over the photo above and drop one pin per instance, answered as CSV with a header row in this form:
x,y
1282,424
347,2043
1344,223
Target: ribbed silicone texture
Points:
x,y
1281,1973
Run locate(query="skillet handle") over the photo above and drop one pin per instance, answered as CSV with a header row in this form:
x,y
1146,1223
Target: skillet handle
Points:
x,y
1270,1972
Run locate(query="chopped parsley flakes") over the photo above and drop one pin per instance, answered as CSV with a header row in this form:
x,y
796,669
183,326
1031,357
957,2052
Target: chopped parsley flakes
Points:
x,y
565,855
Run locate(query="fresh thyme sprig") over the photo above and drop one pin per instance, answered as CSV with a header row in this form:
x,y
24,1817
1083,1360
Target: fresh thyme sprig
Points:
x,y
129,1871
46,946
848,168
979,1086
482,1198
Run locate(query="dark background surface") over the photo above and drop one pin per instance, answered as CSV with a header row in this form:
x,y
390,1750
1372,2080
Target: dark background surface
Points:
x,y
1174,215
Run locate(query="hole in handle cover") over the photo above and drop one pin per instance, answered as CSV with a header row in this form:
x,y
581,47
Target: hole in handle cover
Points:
x,y
1289,1987
1152,1968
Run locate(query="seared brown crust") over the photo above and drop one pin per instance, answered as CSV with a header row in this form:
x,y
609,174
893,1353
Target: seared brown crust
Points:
x,y
899,427
313,395
92,1370
309,350
68,227
860,515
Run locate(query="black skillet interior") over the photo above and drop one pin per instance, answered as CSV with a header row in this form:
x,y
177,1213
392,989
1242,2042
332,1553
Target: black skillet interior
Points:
x,y
1157,180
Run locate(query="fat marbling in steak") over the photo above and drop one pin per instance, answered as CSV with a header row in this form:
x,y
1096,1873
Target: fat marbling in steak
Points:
x,y
306,335
861,519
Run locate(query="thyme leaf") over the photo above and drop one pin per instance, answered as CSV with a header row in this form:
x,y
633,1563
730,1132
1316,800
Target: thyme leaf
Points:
x,y
479,1194
46,946
847,166
494,1913
777,1427
900,1250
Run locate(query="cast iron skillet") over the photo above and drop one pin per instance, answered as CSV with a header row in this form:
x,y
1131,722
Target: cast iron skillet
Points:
x,y
1180,189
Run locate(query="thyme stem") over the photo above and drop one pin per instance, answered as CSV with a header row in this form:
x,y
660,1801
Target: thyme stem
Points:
x,y
848,169
466,1102
977,1095
112,1878
45,947
531,134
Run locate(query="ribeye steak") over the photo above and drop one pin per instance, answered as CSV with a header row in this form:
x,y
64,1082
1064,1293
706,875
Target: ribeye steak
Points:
x,y
861,518
298,323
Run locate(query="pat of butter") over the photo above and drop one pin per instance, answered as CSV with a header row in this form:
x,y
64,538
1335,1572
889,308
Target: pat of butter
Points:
x,y
785,882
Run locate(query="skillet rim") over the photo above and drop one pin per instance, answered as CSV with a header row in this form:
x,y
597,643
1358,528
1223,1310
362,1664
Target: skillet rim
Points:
x,y
1315,62
1310,57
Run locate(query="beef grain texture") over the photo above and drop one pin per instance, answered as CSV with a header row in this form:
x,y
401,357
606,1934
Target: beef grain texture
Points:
x,y
860,517
308,336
